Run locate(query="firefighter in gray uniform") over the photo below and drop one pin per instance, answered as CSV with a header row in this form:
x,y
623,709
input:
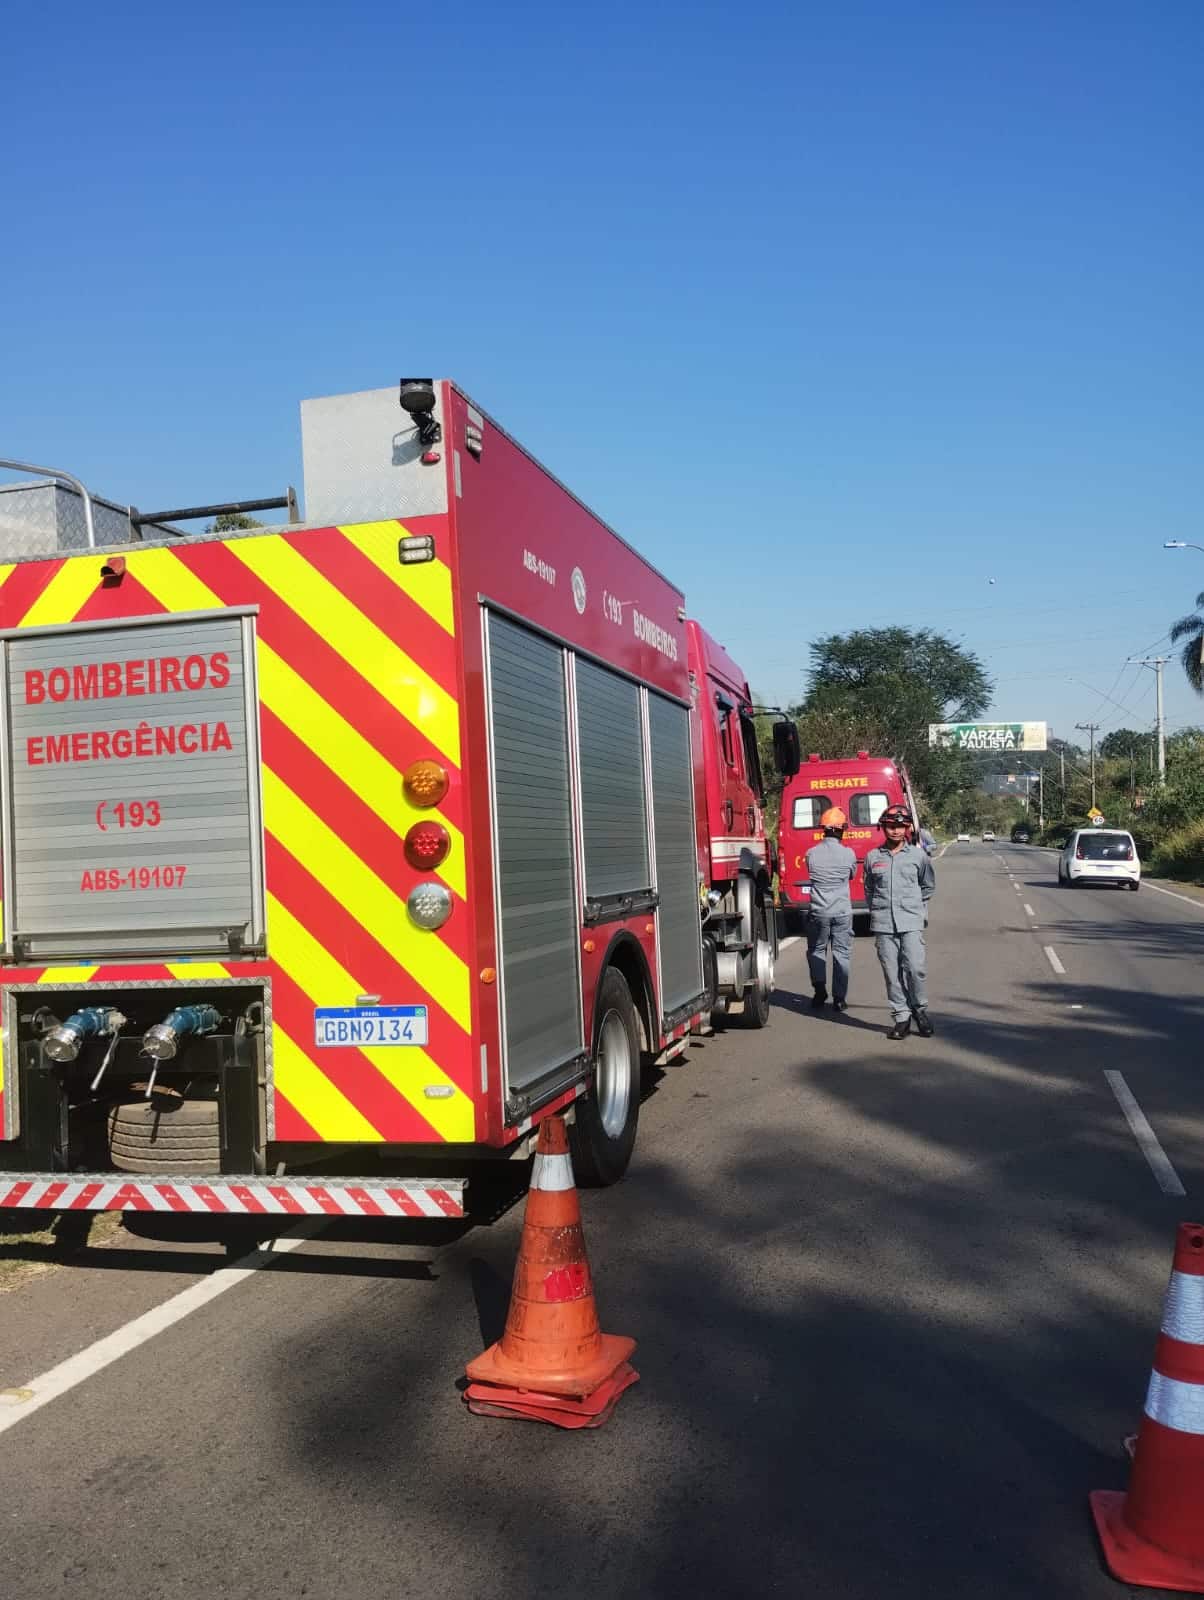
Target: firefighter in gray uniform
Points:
x,y
899,882
830,866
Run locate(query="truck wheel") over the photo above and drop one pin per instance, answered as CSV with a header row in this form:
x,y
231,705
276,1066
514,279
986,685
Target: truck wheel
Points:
x,y
165,1133
602,1136
759,990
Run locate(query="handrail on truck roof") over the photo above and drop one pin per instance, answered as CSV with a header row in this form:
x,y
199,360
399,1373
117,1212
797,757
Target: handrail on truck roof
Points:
x,y
66,477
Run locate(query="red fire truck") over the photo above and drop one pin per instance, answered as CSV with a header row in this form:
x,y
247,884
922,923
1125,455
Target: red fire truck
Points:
x,y
336,855
862,788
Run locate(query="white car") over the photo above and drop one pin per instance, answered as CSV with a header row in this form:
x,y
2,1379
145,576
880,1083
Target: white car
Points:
x,y
963,838
1100,855
988,837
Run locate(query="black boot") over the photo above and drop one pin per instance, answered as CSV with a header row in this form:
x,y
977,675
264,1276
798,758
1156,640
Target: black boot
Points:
x,y
924,1025
900,1029
840,1005
818,999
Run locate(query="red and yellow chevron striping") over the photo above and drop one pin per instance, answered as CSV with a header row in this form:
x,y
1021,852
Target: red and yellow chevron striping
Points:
x,y
358,677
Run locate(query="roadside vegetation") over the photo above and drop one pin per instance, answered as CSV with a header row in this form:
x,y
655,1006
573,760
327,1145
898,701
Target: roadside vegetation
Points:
x,y
877,689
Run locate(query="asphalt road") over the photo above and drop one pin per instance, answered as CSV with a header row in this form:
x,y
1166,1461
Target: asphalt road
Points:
x,y
895,1306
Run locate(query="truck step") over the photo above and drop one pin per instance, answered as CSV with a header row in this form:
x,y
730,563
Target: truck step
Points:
x,y
230,1195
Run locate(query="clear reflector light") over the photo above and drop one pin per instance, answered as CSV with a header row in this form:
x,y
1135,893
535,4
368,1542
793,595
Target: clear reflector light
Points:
x,y
410,551
429,904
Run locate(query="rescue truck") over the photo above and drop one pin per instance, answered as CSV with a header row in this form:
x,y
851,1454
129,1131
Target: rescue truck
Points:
x,y
337,854
862,788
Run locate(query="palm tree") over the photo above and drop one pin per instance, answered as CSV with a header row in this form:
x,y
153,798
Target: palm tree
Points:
x,y
1191,630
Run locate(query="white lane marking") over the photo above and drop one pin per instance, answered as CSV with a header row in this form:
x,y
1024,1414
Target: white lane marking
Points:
x,y
793,938
1167,1178
39,1392
941,851
1175,895
1052,957
1029,909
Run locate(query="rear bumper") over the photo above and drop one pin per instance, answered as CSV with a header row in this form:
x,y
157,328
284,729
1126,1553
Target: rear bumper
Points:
x,y
797,897
1122,872
232,1196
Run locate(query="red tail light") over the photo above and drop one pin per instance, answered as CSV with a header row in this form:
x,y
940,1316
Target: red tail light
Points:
x,y
1078,853
426,845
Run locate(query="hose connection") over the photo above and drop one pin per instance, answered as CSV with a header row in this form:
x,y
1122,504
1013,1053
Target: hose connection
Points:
x,y
64,1042
162,1041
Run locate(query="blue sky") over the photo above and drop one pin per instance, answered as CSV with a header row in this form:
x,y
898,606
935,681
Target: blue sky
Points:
x,y
836,311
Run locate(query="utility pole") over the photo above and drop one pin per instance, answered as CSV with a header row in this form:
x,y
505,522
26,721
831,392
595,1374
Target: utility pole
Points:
x,y
1158,662
1062,759
1092,728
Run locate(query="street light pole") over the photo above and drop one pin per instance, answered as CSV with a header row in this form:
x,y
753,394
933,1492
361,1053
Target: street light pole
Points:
x,y
1092,728
1158,662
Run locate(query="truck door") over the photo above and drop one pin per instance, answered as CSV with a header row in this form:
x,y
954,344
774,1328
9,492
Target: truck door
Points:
x,y
732,776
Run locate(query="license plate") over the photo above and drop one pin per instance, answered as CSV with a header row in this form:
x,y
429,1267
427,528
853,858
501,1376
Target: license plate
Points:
x,y
369,1025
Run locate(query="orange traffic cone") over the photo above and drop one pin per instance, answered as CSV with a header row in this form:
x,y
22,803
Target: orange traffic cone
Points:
x,y
552,1364
1154,1535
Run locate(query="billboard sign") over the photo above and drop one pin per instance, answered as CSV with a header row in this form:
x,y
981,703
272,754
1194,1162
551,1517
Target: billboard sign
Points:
x,y
987,738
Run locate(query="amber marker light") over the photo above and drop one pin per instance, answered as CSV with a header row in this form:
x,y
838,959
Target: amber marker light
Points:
x,y
425,783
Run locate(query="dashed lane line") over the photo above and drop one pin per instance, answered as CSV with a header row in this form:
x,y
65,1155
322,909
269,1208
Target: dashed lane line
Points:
x,y
1051,955
1165,1176
1029,909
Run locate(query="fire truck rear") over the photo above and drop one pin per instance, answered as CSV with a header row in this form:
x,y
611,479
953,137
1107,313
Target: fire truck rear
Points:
x,y
338,854
862,788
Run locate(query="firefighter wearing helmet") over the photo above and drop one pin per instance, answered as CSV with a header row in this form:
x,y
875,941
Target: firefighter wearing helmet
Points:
x,y
899,882
830,866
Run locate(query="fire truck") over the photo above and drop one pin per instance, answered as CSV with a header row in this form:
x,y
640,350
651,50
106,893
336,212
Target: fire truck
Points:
x,y
337,854
862,788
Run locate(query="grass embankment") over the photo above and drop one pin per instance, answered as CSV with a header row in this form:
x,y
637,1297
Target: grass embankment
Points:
x,y
26,1252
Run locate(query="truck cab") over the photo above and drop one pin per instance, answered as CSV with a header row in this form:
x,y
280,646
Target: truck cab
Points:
x,y
735,856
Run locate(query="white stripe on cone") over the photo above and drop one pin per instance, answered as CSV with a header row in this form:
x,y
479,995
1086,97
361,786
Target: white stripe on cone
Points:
x,y
552,1172
1183,1313
1176,1404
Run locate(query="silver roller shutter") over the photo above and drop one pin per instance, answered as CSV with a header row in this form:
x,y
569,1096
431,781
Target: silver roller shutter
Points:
x,y
613,820
676,853
536,896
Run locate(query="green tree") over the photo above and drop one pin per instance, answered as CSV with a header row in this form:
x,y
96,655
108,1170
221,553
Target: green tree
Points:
x,y
1189,631
1123,743
873,662
233,522
879,688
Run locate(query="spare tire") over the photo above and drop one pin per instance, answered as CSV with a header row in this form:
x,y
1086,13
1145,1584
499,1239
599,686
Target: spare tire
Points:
x,y
167,1133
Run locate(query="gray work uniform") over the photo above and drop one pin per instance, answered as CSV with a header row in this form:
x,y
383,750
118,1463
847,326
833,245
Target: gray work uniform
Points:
x,y
898,887
830,866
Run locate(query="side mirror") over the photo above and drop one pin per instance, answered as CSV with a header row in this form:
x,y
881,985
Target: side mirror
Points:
x,y
786,755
